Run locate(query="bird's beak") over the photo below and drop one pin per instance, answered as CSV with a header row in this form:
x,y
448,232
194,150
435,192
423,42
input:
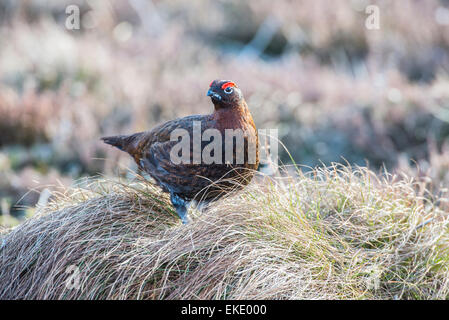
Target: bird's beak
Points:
x,y
213,94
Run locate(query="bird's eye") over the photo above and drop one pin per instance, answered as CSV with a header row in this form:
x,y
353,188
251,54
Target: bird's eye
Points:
x,y
228,90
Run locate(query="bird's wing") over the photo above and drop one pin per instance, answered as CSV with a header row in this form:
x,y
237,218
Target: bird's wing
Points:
x,y
138,144
184,178
155,159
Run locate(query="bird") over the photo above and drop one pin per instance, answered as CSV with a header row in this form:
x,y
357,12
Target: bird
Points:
x,y
234,165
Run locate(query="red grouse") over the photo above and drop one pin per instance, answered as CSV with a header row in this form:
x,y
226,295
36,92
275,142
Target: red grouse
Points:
x,y
235,153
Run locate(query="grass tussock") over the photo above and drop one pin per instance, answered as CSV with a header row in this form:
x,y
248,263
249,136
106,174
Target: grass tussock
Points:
x,y
335,233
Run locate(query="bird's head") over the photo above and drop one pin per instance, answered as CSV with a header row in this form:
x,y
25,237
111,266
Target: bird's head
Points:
x,y
224,94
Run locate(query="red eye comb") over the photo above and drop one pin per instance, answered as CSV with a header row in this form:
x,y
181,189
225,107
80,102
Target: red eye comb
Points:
x,y
228,84
211,83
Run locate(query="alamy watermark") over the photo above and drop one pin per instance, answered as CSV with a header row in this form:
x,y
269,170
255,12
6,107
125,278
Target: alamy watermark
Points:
x,y
372,22
211,146
373,279
73,280
72,22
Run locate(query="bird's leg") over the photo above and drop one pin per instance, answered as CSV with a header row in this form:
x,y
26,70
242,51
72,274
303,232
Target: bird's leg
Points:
x,y
180,206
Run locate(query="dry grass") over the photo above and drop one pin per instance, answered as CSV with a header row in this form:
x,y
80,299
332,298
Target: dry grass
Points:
x,y
336,233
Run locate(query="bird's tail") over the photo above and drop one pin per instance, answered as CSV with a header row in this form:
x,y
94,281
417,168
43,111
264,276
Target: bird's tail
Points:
x,y
116,141
127,143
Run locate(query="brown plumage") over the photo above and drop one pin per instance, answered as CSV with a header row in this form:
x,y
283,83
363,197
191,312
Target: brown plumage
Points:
x,y
203,182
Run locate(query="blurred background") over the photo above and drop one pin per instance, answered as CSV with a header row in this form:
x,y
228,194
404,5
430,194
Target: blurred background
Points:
x,y
336,90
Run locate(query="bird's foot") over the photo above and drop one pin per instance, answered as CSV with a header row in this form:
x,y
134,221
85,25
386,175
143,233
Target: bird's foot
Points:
x,y
181,207
185,219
